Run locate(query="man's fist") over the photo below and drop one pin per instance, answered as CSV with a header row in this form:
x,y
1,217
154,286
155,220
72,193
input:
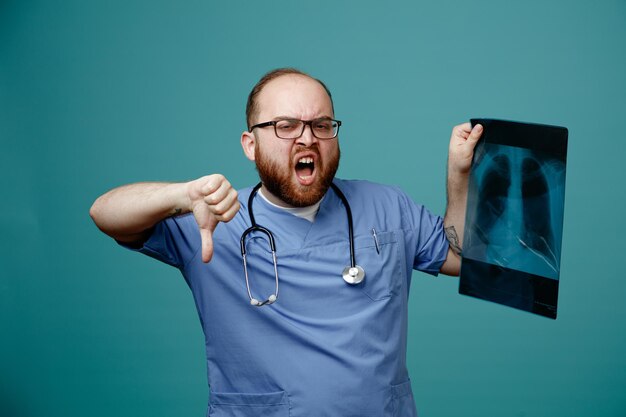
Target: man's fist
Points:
x,y
462,144
212,200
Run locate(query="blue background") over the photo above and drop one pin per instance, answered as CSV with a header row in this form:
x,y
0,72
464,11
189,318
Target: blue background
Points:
x,y
97,94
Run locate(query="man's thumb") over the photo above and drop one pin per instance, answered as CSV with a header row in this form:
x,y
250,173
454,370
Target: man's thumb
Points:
x,y
475,134
207,245
206,234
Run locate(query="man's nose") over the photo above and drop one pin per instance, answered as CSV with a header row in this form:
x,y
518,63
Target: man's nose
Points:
x,y
307,138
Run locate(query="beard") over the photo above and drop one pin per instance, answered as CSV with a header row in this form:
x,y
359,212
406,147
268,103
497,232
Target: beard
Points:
x,y
280,182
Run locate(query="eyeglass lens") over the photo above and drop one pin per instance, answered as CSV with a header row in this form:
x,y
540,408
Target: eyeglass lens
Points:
x,y
292,128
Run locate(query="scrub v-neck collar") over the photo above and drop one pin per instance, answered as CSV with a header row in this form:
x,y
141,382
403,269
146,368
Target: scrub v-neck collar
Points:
x,y
298,232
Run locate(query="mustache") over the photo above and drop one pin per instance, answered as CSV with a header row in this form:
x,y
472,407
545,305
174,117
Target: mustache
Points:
x,y
301,148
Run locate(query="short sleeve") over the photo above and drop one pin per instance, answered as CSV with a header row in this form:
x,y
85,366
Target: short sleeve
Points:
x,y
174,241
427,240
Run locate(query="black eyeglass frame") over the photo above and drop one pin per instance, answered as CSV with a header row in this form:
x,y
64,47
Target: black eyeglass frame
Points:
x,y
304,125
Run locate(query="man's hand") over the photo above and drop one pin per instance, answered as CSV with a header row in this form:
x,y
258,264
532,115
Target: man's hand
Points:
x,y
462,144
212,200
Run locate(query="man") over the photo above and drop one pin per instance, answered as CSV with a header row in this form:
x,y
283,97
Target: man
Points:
x,y
307,343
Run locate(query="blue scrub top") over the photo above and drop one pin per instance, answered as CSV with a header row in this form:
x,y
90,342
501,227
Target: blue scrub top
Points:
x,y
325,348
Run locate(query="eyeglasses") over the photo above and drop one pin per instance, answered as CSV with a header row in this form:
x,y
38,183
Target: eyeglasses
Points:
x,y
323,128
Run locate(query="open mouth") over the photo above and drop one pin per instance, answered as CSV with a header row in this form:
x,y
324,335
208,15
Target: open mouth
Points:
x,y
305,168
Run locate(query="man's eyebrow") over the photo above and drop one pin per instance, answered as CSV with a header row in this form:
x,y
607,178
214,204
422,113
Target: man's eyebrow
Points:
x,y
295,118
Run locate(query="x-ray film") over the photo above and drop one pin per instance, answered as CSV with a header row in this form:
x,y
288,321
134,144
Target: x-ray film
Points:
x,y
514,221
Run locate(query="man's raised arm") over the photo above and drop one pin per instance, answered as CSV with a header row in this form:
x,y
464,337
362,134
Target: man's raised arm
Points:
x,y
462,144
128,213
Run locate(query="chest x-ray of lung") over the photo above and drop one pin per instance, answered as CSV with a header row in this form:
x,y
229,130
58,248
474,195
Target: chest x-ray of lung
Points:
x,y
514,219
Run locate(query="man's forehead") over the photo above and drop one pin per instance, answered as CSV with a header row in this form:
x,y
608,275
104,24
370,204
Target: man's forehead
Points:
x,y
294,93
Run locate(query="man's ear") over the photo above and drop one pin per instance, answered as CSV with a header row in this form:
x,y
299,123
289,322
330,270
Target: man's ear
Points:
x,y
248,143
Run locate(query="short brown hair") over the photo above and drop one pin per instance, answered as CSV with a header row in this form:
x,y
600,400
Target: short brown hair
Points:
x,y
252,107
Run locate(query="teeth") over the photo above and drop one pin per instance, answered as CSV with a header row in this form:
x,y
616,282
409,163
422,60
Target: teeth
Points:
x,y
306,160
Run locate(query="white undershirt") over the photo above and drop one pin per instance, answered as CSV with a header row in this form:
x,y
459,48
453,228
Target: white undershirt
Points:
x,y
308,212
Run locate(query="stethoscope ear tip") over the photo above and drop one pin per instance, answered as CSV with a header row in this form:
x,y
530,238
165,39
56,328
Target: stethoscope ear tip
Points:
x,y
270,300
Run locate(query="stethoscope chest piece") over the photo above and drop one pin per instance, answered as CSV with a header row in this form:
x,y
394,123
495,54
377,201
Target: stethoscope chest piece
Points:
x,y
353,274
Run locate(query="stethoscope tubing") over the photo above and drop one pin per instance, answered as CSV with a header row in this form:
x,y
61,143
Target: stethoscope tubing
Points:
x,y
344,200
258,228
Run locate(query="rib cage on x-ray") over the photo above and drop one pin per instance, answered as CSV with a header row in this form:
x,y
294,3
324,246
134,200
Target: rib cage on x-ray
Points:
x,y
514,218
519,194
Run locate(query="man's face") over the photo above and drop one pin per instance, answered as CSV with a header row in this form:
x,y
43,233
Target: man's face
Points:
x,y
296,171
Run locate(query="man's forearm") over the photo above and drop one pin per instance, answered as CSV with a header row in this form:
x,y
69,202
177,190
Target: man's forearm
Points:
x,y
462,143
126,213
454,220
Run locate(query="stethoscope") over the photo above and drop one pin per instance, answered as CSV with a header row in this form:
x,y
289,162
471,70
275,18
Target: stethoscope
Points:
x,y
352,274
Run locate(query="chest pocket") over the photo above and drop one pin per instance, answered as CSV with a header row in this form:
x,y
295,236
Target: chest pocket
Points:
x,y
382,259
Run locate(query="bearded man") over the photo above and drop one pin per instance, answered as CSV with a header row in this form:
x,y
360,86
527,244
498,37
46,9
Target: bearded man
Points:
x,y
285,334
